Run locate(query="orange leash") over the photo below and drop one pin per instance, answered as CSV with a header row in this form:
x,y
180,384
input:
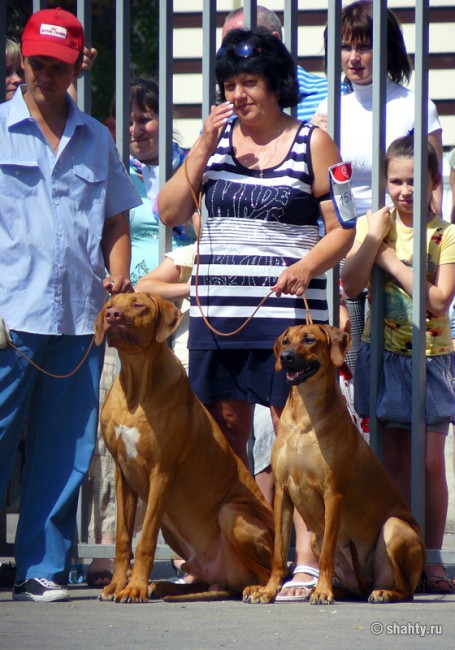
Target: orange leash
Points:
x,y
51,374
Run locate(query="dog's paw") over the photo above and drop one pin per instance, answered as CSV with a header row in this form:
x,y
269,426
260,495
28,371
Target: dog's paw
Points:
x,y
379,596
132,594
319,597
106,597
257,594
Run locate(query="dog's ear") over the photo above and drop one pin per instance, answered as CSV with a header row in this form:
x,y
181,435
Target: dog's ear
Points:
x,y
339,343
99,328
169,318
277,350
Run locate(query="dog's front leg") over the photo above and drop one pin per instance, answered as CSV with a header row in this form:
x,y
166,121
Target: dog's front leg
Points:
x,y
136,591
126,514
283,509
323,593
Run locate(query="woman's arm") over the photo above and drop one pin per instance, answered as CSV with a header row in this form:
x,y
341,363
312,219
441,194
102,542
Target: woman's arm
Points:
x,y
452,187
435,138
337,240
360,259
175,201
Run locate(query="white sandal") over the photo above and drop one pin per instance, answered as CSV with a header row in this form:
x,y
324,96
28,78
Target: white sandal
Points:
x,y
308,585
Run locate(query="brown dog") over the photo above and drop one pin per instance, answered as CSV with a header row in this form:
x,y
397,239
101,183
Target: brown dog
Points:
x,y
170,452
362,531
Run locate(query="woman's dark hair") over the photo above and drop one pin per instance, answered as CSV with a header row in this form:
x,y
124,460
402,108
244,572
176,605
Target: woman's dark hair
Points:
x,y
404,148
145,94
357,27
266,55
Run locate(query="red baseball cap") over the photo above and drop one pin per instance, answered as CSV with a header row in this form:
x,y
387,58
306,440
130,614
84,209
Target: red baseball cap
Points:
x,y
53,32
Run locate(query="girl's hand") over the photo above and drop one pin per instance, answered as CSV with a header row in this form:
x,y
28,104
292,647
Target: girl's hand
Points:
x,y
379,223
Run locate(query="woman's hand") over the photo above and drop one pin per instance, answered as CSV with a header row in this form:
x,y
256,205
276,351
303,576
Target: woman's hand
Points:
x,y
293,281
218,117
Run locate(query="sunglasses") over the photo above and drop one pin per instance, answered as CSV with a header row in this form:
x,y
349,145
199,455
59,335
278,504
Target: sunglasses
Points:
x,y
244,49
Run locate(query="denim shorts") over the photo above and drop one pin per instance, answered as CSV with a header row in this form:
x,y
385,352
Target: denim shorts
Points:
x,y
394,401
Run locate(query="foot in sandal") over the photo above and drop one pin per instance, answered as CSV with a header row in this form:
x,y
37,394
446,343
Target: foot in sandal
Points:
x,y
304,579
436,580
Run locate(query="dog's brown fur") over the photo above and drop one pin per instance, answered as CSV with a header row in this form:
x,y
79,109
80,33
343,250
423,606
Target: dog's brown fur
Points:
x,y
170,452
362,531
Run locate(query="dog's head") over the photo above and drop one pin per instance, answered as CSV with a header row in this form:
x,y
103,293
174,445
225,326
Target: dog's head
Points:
x,y
304,350
132,321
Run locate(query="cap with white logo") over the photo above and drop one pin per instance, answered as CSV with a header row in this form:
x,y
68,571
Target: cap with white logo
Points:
x,y
55,33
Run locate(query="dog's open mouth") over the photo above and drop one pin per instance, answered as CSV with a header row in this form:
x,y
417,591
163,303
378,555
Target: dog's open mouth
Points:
x,y
295,377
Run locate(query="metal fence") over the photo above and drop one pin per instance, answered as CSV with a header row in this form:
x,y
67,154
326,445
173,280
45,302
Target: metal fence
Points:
x,y
290,8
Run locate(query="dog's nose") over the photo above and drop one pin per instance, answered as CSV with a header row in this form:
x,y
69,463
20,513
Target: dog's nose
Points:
x,y
113,314
287,356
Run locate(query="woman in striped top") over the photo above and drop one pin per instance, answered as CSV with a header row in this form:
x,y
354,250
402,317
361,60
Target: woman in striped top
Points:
x,y
265,179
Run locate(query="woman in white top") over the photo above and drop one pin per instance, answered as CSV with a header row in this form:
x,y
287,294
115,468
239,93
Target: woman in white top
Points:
x,y
356,116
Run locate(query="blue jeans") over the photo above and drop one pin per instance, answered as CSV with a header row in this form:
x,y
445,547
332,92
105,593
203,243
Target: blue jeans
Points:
x,y
62,418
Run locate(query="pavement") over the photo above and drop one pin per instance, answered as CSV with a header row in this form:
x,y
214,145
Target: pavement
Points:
x,y
85,623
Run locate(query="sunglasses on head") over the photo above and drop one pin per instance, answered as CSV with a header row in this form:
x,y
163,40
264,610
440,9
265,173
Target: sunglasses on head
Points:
x,y
244,49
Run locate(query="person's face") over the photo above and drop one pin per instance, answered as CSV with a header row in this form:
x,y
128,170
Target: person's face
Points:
x,y
144,135
251,97
357,62
14,74
400,185
47,78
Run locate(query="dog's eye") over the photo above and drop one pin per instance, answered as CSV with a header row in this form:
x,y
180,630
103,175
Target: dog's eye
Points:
x,y
309,339
138,304
285,340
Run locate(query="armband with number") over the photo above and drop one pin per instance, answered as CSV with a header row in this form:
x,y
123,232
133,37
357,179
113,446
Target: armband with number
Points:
x,y
341,194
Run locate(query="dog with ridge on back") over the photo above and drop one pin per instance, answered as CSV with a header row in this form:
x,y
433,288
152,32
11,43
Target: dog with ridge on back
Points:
x,y
170,452
365,538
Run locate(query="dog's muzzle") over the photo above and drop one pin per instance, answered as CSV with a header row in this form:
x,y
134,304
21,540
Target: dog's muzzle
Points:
x,y
297,369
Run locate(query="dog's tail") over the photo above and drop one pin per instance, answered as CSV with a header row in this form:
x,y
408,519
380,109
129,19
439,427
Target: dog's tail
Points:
x,y
202,596
357,571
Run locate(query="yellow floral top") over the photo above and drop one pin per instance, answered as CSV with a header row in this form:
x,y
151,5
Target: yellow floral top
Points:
x,y
398,304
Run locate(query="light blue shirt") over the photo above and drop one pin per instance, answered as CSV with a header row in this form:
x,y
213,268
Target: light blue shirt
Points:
x,y
313,89
52,213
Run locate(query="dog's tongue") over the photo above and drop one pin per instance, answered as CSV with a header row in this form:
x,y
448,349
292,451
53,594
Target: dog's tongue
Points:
x,y
292,374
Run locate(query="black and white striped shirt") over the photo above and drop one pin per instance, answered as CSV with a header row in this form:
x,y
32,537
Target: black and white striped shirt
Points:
x,y
256,227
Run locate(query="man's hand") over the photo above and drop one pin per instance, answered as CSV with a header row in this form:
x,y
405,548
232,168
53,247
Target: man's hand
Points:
x,y
5,336
117,284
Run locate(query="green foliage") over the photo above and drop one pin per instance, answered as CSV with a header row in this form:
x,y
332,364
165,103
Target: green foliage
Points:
x,y
143,60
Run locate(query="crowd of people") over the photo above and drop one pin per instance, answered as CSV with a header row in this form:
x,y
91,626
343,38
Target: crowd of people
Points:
x,y
272,233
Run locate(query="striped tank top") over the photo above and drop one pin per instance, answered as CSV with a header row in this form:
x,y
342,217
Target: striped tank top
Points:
x,y
256,227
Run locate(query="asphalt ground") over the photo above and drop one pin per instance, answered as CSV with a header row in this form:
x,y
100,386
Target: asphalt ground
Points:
x,y
87,623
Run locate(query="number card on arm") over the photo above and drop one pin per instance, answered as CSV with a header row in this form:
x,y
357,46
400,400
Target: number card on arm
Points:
x,y
340,191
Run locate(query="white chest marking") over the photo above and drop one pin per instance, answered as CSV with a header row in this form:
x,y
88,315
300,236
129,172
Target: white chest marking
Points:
x,y
130,437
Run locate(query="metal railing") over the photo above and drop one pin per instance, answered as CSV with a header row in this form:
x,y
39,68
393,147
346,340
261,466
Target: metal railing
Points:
x,y
290,9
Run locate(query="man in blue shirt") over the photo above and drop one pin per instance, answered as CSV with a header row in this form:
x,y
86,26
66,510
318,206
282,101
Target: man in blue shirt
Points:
x,y
313,88
63,197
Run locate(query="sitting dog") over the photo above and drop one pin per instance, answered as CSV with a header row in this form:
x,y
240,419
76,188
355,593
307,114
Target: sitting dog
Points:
x,y
170,452
362,531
